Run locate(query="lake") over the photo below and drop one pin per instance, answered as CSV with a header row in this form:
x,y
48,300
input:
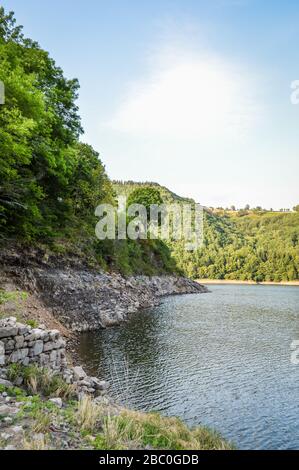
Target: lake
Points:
x,y
221,359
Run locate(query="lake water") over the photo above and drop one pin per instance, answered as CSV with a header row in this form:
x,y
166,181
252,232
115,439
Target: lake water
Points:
x,y
221,359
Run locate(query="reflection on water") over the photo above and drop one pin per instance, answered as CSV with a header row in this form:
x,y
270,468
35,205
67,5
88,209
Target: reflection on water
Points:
x,y
221,359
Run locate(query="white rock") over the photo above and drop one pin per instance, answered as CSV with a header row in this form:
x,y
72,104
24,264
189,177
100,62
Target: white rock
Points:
x,y
57,401
17,430
79,373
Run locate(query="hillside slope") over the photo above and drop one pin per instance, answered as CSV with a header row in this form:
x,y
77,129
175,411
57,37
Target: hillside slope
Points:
x,y
259,246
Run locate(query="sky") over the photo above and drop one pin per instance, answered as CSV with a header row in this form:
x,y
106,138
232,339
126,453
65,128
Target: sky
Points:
x,y
192,94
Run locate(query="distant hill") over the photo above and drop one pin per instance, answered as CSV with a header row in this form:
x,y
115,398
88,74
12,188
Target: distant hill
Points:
x,y
243,245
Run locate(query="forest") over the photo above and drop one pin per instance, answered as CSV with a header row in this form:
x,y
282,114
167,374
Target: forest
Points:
x,y
254,244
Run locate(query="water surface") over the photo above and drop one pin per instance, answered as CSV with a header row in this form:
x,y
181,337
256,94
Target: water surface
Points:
x,y
221,359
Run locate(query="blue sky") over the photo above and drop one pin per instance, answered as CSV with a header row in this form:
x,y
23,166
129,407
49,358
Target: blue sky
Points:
x,y
192,94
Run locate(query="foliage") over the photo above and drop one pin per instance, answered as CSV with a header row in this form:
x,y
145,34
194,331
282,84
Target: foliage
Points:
x,y
50,182
245,245
41,380
146,196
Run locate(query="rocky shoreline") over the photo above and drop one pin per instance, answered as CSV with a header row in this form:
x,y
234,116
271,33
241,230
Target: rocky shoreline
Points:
x,y
83,299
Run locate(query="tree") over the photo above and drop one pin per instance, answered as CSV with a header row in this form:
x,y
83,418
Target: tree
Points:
x,y
296,208
146,196
38,125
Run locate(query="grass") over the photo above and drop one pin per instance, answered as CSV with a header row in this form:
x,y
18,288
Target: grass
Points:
x,y
99,426
15,296
132,429
88,414
42,381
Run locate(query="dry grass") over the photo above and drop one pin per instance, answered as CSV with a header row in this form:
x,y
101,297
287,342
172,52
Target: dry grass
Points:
x,y
88,414
36,444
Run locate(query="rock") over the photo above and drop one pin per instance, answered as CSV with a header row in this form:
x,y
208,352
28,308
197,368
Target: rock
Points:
x,y
7,420
6,383
8,410
35,334
99,384
25,362
23,329
79,373
18,355
54,335
49,346
6,332
38,347
17,430
19,341
5,436
57,401
2,354
53,356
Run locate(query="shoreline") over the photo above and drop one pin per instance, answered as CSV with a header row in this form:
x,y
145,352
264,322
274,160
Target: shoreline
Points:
x,y
235,281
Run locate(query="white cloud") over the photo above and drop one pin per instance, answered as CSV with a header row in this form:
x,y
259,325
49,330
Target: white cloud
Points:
x,y
187,96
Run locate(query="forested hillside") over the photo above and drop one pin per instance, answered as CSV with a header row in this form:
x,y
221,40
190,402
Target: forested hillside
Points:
x,y
251,245
51,182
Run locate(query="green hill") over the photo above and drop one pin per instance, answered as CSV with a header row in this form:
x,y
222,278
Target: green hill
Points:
x,y
244,245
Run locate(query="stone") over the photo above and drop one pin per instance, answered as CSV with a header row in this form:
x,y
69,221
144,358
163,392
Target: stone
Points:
x,y
99,384
54,334
36,333
17,430
79,373
19,341
9,344
57,401
38,348
18,355
23,329
6,383
2,354
53,356
43,359
8,410
25,362
48,346
7,420
7,331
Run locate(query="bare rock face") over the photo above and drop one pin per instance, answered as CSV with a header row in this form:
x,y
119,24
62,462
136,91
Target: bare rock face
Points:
x,y
84,300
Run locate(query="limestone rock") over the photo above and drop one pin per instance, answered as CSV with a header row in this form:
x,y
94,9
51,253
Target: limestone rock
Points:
x,y
79,373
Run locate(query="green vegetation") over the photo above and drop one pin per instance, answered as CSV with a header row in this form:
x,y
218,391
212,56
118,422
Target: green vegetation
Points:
x,y
50,182
132,429
42,381
249,244
88,424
